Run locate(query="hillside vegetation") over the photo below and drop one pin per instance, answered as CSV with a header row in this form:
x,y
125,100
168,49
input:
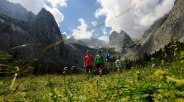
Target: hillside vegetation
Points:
x,y
160,83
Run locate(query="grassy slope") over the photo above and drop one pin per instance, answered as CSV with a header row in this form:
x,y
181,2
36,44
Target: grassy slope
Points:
x,y
127,86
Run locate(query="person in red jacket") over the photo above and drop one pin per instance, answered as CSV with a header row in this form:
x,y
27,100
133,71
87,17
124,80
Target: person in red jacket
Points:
x,y
88,62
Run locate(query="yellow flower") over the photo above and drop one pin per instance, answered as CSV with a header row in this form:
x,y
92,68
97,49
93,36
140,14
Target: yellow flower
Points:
x,y
179,100
180,83
161,74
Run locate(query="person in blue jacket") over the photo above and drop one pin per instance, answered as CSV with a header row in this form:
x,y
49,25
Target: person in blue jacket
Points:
x,y
110,60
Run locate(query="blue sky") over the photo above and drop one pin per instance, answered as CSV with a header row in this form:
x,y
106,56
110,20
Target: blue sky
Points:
x,y
74,17
77,9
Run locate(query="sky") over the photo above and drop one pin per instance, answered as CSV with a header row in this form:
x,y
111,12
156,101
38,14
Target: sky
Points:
x,y
83,19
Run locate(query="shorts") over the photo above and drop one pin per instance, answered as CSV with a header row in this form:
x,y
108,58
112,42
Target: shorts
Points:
x,y
89,68
99,65
111,66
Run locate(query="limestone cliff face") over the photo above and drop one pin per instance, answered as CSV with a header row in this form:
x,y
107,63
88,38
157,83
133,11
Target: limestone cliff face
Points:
x,y
12,36
156,37
36,38
15,11
45,28
120,41
165,29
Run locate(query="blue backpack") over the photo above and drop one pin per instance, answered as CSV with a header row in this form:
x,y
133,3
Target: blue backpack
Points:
x,y
109,57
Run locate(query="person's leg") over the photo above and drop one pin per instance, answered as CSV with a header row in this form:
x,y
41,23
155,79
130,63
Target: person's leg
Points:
x,y
109,67
98,66
100,69
112,67
121,69
86,70
91,71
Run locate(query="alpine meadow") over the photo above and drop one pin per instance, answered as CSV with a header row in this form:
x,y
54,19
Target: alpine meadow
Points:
x,y
91,51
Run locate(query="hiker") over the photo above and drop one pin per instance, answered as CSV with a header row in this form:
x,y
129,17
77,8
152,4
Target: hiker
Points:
x,y
99,62
119,64
88,62
110,61
127,63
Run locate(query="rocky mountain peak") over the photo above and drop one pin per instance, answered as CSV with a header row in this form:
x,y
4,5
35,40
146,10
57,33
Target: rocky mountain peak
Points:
x,y
120,41
165,29
45,28
15,11
43,12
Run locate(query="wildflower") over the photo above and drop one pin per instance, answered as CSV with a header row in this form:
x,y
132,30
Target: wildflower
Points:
x,y
180,83
179,100
65,69
162,62
153,65
17,68
161,74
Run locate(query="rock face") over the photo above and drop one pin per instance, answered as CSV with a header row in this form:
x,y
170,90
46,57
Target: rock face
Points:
x,y
92,42
156,37
12,36
36,38
15,11
165,29
120,41
45,28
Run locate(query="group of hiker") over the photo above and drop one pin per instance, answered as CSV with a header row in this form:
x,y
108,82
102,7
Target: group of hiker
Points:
x,y
112,64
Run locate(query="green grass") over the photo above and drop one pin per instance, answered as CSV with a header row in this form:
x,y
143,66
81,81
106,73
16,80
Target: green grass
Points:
x,y
135,85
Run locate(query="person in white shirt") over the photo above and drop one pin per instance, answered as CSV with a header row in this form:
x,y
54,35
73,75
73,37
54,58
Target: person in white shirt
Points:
x,y
119,64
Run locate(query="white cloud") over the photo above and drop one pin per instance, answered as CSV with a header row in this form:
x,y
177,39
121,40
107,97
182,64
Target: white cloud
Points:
x,y
136,20
94,23
56,3
36,5
31,5
65,36
147,18
81,31
104,38
56,13
104,31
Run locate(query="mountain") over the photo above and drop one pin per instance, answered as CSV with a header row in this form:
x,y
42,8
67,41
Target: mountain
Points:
x,y
120,41
160,34
15,11
165,29
92,42
12,35
45,28
36,38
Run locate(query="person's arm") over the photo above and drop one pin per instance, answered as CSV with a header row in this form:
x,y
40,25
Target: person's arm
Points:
x,y
116,63
103,60
107,57
84,61
95,60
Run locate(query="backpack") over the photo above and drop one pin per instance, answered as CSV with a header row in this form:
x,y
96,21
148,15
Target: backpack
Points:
x,y
109,57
